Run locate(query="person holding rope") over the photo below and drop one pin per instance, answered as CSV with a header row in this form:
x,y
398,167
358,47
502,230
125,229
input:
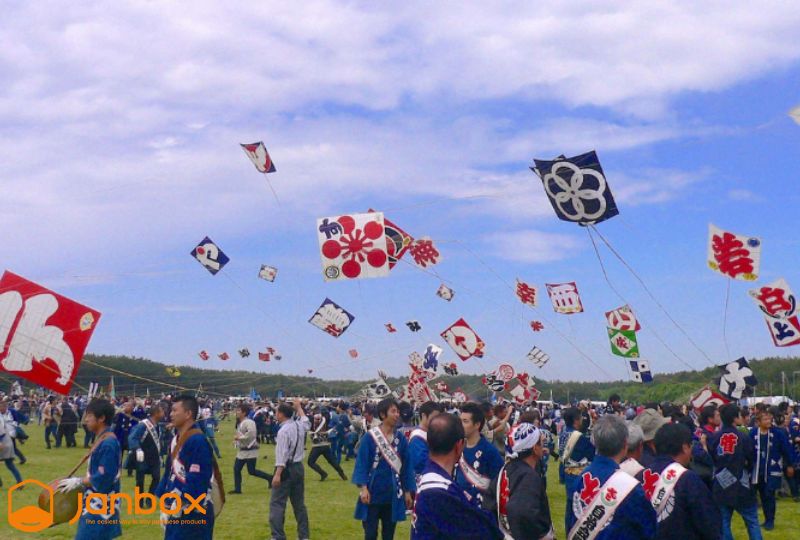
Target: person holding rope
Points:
x,y
102,476
321,446
383,475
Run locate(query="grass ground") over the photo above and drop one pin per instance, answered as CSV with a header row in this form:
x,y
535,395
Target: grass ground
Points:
x,y
330,503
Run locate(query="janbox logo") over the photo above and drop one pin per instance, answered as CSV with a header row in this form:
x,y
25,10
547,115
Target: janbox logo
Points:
x,y
36,518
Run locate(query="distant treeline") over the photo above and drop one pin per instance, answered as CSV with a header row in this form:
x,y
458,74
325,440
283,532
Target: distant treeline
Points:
x,y
672,387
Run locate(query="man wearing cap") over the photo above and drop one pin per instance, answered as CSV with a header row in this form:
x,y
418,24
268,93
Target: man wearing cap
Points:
x,y
649,420
442,510
519,497
608,503
679,496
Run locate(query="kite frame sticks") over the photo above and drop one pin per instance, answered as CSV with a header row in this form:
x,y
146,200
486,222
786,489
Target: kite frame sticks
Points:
x,y
651,295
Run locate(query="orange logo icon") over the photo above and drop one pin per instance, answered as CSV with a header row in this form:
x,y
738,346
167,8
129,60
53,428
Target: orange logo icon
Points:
x,y
31,518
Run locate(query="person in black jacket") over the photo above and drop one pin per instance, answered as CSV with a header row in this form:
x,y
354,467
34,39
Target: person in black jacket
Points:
x,y
733,454
69,424
519,497
684,504
145,442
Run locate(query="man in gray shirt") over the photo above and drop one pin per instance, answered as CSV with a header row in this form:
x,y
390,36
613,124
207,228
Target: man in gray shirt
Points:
x,y
289,479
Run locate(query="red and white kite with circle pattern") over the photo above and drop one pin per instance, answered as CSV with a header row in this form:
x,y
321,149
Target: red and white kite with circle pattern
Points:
x,y
353,246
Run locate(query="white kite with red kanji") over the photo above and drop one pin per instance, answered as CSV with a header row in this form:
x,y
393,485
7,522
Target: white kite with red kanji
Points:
x,y
622,318
733,255
779,305
463,340
565,297
42,334
353,246
527,294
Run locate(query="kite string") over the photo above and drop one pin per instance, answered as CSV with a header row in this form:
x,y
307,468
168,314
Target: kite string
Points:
x,y
725,319
272,189
652,296
616,291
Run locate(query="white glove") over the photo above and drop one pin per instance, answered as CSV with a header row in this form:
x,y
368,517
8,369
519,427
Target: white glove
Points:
x,y
140,455
69,484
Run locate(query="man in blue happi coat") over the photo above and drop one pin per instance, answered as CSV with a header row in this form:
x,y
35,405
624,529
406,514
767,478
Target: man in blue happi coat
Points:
x,y
417,441
773,453
102,476
734,456
188,474
384,475
442,510
679,496
575,451
480,462
605,499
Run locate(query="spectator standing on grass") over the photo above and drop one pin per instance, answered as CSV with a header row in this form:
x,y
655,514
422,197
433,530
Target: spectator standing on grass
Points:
x,y
773,453
246,442
69,424
50,422
383,475
145,442
733,454
288,482
13,419
480,461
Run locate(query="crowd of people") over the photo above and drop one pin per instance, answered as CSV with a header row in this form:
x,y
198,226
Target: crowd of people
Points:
x,y
469,470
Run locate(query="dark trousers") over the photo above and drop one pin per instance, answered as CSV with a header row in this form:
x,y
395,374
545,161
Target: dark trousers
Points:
x,y
324,451
239,464
376,512
69,437
18,452
51,429
767,496
293,490
154,470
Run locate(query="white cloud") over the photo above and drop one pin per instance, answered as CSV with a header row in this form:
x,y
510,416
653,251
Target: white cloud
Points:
x,y
531,246
744,195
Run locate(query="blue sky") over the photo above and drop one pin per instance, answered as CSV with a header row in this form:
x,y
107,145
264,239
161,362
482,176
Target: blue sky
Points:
x,y
120,132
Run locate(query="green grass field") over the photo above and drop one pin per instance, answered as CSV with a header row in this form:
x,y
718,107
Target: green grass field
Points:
x,y
330,503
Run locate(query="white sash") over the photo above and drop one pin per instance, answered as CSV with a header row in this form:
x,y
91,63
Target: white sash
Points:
x,y
480,482
418,433
151,430
599,512
386,449
665,487
573,439
631,466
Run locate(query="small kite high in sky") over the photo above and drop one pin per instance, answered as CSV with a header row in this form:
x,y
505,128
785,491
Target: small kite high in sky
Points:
x,y
203,355
537,326
268,273
577,188
538,357
432,355
733,255
565,297
414,326
353,353
390,328
623,343
332,318
173,371
244,353
463,340
640,371
526,293
269,354
779,305
258,154
445,293
622,318
209,255
353,246
451,369
223,356
42,334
